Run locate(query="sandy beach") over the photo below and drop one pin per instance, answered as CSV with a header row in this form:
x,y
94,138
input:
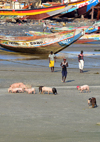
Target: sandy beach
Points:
x,y
64,117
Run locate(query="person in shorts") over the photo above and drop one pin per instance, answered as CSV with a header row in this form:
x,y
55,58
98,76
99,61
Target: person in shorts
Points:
x,y
52,60
64,66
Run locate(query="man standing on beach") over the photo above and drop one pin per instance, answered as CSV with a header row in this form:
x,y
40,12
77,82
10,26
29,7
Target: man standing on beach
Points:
x,y
81,61
64,66
52,60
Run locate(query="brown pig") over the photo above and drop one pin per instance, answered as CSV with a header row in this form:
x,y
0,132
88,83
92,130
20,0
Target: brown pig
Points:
x,y
92,102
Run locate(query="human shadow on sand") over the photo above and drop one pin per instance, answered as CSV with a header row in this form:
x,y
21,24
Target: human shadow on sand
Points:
x,y
70,80
57,71
86,71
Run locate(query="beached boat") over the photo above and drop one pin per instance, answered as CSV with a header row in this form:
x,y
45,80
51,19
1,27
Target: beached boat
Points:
x,y
88,29
89,38
80,8
44,43
49,14
40,12
58,29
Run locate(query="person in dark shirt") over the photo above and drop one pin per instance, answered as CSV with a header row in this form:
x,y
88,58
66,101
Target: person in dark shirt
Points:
x,y
64,66
81,61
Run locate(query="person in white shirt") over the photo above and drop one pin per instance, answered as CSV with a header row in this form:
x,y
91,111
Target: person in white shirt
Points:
x,y
52,60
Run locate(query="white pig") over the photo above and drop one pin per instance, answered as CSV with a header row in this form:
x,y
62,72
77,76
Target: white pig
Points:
x,y
18,85
46,89
84,87
30,90
15,90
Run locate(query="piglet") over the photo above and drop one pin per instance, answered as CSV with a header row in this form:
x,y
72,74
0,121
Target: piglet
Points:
x,y
30,90
15,90
84,87
46,89
43,89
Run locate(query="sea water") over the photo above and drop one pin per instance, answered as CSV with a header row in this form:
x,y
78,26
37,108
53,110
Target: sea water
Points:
x,y
91,59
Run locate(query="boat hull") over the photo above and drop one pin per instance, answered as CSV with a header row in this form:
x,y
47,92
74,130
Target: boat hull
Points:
x,y
48,14
28,12
80,9
89,38
30,47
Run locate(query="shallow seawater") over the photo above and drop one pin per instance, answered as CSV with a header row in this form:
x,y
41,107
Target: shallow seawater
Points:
x,y
92,59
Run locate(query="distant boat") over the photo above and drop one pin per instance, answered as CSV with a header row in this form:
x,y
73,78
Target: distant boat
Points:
x,y
49,13
80,8
87,29
58,29
89,38
37,13
42,44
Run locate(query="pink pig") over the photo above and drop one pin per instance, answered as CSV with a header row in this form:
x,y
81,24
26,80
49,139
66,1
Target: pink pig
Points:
x,y
18,85
30,90
84,87
46,89
15,90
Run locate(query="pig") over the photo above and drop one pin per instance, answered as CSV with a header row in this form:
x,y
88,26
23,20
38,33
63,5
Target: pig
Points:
x,y
84,87
30,90
15,90
18,85
43,89
92,102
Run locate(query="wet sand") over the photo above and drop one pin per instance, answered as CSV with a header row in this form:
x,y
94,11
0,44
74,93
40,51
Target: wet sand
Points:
x,y
64,117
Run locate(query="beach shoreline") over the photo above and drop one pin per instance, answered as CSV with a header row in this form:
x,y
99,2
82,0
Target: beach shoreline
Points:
x,y
46,118
64,117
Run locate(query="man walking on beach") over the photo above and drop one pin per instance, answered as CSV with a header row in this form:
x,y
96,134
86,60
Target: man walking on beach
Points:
x,y
52,60
81,61
64,66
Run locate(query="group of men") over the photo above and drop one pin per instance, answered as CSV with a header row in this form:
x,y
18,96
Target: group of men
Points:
x,y
64,64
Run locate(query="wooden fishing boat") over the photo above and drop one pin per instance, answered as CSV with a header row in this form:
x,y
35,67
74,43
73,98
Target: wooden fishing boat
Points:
x,y
89,38
49,14
57,29
35,11
53,42
87,29
80,8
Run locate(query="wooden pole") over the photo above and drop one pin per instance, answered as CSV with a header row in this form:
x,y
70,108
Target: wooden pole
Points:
x,y
11,4
98,14
92,14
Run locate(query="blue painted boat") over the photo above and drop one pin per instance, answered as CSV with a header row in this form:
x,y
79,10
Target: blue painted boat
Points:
x,y
91,3
80,8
